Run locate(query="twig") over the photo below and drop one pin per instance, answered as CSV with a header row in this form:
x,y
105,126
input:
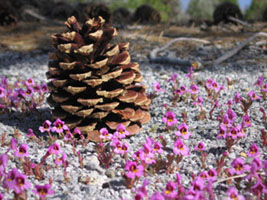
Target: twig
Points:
x,y
153,54
238,21
238,48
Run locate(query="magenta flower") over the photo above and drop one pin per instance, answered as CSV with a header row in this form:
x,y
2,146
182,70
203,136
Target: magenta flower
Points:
x,y
234,133
170,190
68,136
237,98
1,196
209,83
222,132
77,131
173,78
183,131
246,122
215,86
2,92
22,151
231,114
157,196
241,132
43,190
121,148
190,73
212,175
139,196
193,89
29,91
260,81
157,87
180,148
30,133
157,147
54,149
13,143
142,189
259,188
169,119
148,158
121,132
44,88
238,167
104,134
3,161
59,126
200,147
198,102
29,82
203,175
253,150
21,183
61,160
137,154
253,96
232,194
264,88
9,181
182,90
226,121
46,126
198,184
133,169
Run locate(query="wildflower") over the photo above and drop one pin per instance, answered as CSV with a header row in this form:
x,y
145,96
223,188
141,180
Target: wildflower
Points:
x,y
121,132
37,88
29,91
104,134
170,190
137,154
173,77
226,121
237,98
253,170
13,143
200,147
148,158
9,181
54,149
264,88
59,126
61,160
238,166
77,131
1,196
44,88
30,133
156,196
222,132
230,103
198,184
4,82
193,89
241,132
232,194
182,90
29,82
203,175
43,190
209,83
68,135
253,150
191,71
20,183
231,114
157,147
169,119
46,126
253,96
2,92
157,87
133,169
215,86
260,81
22,151
121,148
259,188
234,133
212,175
180,148
246,122
198,102
183,131
139,196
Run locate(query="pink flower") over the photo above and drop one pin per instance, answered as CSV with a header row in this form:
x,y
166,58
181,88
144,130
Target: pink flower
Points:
x,y
203,175
190,74
133,169
22,151
20,183
259,188
29,82
234,133
104,134
77,131
200,147
212,175
13,143
180,148
198,102
139,196
209,83
222,132
238,166
215,86
264,88
246,122
2,92
173,78
193,89
158,147
1,196
9,181
226,121
260,81
241,132
54,149
30,133
121,132
170,190
157,196
3,161
137,154
59,126
46,126
68,136
61,160
182,90
232,194
253,96
237,98
121,148
148,158
253,150
231,114
157,87
43,190
169,119
29,91
44,88
198,184
183,131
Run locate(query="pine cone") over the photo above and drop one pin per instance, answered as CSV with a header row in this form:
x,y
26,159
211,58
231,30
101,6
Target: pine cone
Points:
x,y
93,84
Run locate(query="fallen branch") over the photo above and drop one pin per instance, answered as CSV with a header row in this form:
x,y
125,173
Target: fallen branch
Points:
x,y
167,60
233,19
238,48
